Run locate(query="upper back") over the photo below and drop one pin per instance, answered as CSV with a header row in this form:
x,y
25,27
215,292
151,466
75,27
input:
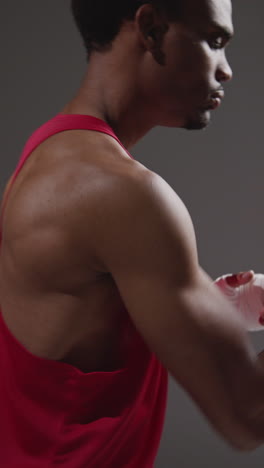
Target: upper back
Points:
x,y
47,216
54,292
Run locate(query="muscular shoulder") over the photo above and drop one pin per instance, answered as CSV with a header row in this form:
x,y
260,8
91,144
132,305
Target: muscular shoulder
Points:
x,y
142,216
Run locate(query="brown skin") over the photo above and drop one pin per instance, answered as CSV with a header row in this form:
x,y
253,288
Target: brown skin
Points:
x,y
64,284
158,72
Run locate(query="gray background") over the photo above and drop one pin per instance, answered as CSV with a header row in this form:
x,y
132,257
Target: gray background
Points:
x,y
218,172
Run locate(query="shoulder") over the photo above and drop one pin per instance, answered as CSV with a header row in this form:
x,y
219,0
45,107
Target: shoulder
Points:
x,y
138,214
138,191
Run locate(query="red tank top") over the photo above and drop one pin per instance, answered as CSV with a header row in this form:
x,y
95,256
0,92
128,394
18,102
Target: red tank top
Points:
x,y
54,415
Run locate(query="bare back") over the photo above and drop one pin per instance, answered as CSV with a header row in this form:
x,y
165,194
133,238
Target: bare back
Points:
x,y
56,299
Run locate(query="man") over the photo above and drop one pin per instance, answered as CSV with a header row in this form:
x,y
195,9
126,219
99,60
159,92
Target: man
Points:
x,y
101,288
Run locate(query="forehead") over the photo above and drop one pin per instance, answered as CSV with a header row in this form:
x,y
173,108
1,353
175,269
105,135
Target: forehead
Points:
x,y
207,12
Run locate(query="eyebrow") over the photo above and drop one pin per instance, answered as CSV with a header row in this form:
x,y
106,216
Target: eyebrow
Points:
x,y
226,32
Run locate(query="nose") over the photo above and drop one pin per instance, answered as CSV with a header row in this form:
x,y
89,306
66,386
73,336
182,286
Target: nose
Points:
x,y
224,72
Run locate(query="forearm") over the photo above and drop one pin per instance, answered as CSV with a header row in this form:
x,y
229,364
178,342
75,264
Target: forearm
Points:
x,y
231,383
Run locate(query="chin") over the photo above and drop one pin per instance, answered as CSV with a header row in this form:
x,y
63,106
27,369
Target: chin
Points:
x,y
190,125
198,123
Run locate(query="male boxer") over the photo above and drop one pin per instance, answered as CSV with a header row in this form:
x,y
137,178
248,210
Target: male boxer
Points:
x,y
102,293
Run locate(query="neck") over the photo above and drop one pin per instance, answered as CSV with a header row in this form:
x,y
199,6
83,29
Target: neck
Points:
x,y
109,91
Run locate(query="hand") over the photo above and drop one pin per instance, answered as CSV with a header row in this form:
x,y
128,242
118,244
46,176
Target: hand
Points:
x,y
246,291
238,279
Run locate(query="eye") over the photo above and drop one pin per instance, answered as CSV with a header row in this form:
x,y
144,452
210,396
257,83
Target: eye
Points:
x,y
217,42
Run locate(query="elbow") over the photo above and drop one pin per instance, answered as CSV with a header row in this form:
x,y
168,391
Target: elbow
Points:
x,y
246,435
245,446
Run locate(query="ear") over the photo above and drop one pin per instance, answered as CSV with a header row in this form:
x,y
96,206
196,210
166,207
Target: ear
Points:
x,y
151,27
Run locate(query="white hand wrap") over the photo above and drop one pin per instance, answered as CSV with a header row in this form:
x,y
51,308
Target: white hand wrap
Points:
x,y
247,299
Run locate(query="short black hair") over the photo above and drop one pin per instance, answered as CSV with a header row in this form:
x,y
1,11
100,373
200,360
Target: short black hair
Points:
x,y
100,21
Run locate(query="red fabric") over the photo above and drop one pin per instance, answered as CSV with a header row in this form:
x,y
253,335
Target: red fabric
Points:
x,y
54,415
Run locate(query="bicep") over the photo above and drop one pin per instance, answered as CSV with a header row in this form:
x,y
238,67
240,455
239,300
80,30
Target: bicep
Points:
x,y
146,241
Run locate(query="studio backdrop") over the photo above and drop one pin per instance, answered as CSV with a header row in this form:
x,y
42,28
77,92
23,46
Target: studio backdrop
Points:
x,y
218,172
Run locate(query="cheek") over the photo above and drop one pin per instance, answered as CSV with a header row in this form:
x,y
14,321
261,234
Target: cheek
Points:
x,y
201,67
192,69
184,79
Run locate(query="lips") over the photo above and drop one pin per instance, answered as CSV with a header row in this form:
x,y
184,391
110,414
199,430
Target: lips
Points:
x,y
214,103
215,100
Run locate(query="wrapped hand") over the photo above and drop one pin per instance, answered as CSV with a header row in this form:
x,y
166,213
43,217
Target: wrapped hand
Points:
x,y
245,291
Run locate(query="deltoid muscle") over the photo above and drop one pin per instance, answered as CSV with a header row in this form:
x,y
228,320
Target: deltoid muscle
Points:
x,y
248,299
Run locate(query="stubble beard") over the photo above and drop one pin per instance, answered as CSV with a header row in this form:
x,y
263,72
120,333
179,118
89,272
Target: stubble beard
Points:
x,y
198,123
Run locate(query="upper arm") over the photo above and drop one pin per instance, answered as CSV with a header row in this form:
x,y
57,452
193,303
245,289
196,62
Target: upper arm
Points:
x,y
145,239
